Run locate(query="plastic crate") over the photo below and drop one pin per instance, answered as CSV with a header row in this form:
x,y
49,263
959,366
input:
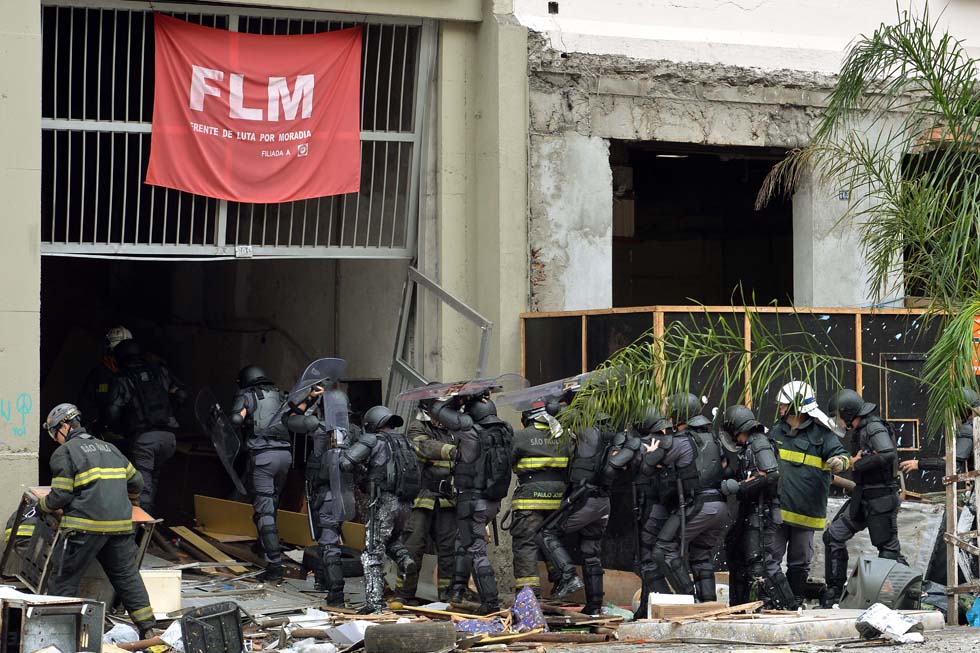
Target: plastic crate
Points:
x,y
215,628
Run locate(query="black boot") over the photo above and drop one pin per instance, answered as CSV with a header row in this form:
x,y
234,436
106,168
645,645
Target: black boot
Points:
x,y
797,577
779,594
486,586
272,574
593,591
679,576
836,573
704,586
558,556
335,582
461,576
653,581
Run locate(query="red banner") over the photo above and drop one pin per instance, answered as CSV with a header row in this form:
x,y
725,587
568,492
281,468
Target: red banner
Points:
x,y
253,118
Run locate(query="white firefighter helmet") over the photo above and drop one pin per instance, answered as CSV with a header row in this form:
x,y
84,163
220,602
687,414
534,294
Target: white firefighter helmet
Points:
x,y
115,335
798,395
802,400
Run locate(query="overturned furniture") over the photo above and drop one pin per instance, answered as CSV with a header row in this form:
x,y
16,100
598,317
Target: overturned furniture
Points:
x,y
30,622
32,562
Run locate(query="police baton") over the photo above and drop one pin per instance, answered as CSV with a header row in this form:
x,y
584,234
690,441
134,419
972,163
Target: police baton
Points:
x,y
565,506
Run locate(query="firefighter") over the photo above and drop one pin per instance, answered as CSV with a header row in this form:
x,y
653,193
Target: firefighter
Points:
x,y
809,453
540,458
96,487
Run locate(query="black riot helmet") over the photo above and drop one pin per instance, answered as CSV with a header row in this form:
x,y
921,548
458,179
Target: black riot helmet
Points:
x,y
971,401
848,404
740,419
654,421
128,352
480,410
252,375
378,417
682,408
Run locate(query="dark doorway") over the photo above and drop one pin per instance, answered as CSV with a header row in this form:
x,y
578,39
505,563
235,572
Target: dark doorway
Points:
x,y
685,226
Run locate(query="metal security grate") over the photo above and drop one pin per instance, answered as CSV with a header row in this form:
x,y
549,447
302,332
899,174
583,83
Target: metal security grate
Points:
x,y
97,107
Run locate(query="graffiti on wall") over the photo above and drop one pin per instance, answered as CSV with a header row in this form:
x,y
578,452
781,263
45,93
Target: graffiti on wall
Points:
x,y
15,412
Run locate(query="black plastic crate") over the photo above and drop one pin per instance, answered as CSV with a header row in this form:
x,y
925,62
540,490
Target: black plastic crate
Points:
x,y
215,628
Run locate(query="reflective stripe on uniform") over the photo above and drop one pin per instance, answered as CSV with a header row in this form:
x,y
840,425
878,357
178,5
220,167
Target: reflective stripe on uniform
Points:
x,y
96,526
24,530
538,463
806,459
130,471
535,504
63,483
143,614
796,519
103,474
440,463
443,583
428,503
532,581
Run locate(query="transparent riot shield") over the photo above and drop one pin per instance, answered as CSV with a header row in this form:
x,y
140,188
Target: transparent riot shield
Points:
x,y
223,436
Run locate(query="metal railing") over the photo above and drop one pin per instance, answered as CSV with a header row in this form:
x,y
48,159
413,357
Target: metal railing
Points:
x,y
408,362
97,105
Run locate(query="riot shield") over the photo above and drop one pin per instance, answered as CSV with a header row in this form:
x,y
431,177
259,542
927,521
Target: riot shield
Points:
x,y
341,493
524,399
223,436
335,411
472,388
323,371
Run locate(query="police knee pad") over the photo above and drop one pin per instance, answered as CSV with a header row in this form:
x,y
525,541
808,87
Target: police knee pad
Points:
x,y
890,555
827,539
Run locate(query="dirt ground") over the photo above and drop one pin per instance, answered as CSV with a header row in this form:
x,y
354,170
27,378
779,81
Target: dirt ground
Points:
x,y
961,639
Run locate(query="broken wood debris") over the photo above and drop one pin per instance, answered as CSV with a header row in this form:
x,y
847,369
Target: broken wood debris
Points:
x,y
720,612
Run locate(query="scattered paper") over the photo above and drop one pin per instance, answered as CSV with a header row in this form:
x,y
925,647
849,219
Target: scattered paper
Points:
x,y
880,621
120,633
174,637
348,634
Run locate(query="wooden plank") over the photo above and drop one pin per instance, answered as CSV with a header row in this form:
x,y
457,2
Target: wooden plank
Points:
x,y
960,478
969,588
859,355
226,538
744,607
235,518
683,611
952,570
963,544
693,308
747,343
585,344
206,547
443,614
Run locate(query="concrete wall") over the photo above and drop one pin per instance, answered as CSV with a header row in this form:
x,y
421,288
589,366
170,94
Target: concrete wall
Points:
x,y
577,97
570,222
792,34
21,411
467,10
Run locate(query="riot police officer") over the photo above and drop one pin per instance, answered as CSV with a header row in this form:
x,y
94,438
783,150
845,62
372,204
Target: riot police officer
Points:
x,y
601,454
809,453
697,526
142,398
963,441
756,488
94,397
334,483
651,487
254,408
481,477
540,460
433,515
875,499
394,478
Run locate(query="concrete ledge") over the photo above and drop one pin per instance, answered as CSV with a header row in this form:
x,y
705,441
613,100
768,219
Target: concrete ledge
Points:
x,y
812,626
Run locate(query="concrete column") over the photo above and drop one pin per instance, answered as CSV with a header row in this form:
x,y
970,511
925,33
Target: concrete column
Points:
x,y
20,260
829,267
570,222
